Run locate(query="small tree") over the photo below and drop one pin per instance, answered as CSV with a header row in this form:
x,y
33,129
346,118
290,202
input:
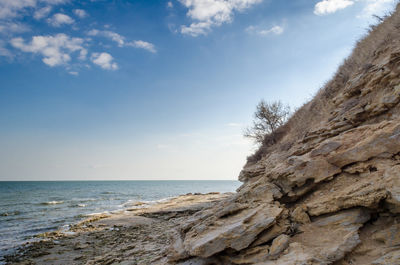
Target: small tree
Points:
x,y
267,118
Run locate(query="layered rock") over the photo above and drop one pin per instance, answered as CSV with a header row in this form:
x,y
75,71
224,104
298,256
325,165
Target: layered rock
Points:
x,y
328,191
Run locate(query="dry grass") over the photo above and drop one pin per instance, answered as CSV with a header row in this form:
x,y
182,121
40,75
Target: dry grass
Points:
x,y
379,38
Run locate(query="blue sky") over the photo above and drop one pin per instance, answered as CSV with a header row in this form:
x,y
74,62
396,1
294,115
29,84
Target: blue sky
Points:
x,y
157,89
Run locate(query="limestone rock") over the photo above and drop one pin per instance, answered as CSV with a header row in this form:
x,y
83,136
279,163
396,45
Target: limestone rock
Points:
x,y
392,257
281,226
278,245
325,240
236,232
299,215
366,142
249,256
308,197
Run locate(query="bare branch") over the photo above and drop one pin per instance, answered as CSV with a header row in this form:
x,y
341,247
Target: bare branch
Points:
x,y
267,118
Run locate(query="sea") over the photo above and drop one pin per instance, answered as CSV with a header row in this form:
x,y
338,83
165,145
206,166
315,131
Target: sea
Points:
x,y
29,208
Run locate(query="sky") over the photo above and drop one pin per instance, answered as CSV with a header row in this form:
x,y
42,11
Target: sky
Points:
x,y
151,90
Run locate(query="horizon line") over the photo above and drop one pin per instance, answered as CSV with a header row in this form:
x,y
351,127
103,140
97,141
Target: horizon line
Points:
x,y
70,180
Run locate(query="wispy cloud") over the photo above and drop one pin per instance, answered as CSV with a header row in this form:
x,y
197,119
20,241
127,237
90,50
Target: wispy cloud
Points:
x,y
121,40
142,45
376,7
55,50
211,13
42,12
60,19
13,27
80,13
75,73
12,8
104,60
276,30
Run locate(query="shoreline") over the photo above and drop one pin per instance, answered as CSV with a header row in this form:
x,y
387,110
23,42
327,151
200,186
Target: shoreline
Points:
x,y
145,231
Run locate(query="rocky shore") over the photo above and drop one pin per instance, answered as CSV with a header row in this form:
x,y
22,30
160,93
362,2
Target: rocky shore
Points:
x,y
323,189
136,236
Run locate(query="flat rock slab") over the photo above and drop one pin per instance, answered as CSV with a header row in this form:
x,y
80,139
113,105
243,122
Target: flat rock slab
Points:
x,y
125,220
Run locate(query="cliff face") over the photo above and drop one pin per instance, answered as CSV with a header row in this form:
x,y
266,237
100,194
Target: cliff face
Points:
x,y
328,190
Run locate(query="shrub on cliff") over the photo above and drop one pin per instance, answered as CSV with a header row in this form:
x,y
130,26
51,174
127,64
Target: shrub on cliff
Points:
x,y
269,116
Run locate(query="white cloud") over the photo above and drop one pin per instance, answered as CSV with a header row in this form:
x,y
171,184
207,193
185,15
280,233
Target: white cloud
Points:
x,y
13,27
331,6
104,60
170,4
60,19
376,7
120,40
42,12
11,8
209,13
372,7
80,13
277,30
73,73
196,29
143,45
56,50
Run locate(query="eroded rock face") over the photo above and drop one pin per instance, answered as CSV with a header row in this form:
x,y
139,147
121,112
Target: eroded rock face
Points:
x,y
236,231
316,199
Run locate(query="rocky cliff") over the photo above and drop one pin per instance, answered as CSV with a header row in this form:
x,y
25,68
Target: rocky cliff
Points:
x,y
324,189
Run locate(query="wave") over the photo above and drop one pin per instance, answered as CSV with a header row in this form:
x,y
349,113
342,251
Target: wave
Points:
x,y
99,213
52,202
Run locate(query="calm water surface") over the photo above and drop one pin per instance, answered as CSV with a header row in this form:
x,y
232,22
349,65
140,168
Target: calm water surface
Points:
x,y
29,208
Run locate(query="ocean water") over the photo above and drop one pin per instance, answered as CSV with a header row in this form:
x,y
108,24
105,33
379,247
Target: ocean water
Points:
x,y
29,208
